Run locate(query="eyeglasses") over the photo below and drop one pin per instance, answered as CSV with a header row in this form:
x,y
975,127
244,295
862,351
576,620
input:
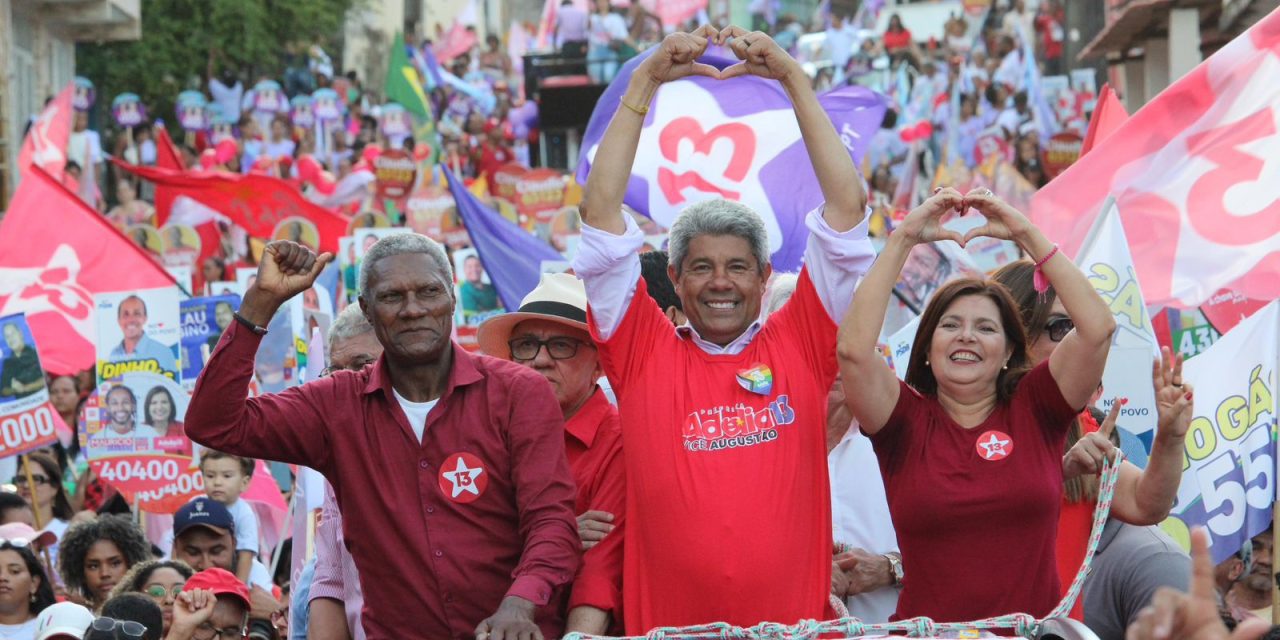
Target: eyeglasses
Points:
x,y
129,628
354,366
158,591
1058,329
558,348
207,631
21,480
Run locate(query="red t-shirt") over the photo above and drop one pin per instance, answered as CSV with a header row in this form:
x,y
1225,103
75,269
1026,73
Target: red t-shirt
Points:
x,y
976,510
894,41
1074,526
728,502
593,445
491,159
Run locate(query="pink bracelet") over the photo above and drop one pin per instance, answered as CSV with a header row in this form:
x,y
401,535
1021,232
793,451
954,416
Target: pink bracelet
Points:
x,y
1040,282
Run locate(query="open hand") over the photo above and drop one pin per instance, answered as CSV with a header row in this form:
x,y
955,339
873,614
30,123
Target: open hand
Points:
x,y
1174,406
760,55
1087,454
924,223
1003,221
676,57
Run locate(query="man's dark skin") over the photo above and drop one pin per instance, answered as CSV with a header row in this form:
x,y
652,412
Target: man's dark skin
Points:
x,y
410,303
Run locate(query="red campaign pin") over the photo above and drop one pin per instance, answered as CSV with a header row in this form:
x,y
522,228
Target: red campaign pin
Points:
x,y
463,478
994,445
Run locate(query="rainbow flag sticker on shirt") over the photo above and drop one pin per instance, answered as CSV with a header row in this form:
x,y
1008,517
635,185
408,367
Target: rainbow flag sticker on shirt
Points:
x,y
757,379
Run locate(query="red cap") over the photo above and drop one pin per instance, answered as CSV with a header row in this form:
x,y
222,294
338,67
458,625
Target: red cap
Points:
x,y
219,581
226,150
208,159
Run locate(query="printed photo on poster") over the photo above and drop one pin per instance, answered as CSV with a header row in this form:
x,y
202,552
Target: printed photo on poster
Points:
x,y
27,419
477,297
928,267
138,413
351,250
138,331
275,366
203,322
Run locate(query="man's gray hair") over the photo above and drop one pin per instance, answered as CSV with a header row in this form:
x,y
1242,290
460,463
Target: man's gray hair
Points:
x,y
718,218
405,243
351,322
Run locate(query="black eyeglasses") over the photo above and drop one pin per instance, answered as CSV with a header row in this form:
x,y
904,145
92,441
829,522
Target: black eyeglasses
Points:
x,y
21,480
207,631
128,628
558,348
1058,329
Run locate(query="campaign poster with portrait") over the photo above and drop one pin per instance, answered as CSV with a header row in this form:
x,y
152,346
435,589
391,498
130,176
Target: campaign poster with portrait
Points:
x,y
351,250
138,331
182,245
203,322
928,267
147,238
133,435
27,420
300,230
275,366
476,295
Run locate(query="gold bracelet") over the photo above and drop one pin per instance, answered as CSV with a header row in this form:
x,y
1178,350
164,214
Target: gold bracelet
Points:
x,y
639,110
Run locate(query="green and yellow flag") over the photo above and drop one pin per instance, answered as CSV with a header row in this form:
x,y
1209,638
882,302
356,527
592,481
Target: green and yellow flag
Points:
x,y
404,87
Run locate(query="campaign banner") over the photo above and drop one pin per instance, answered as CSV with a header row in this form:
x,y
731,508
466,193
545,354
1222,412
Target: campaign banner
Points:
x,y
1229,467
276,366
899,345
27,420
395,172
1062,152
426,209
138,331
1106,262
203,322
132,433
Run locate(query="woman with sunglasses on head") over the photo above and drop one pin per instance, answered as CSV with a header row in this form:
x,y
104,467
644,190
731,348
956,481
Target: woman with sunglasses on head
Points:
x,y
1142,497
970,445
160,580
24,590
48,499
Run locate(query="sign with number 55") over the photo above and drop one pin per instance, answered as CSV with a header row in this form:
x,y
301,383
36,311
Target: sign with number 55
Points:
x,y
1229,465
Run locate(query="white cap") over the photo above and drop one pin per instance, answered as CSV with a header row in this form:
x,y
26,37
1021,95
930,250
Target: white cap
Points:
x,y
63,618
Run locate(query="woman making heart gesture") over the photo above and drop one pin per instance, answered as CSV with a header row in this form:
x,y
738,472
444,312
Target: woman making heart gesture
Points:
x,y
970,445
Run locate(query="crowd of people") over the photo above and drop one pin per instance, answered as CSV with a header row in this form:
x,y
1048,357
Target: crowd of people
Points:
x,y
776,468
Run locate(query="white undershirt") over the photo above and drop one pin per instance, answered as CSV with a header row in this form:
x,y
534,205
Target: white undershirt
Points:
x,y
416,412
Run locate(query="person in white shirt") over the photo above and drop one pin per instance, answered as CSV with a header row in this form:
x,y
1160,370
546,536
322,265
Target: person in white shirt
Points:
x,y
608,31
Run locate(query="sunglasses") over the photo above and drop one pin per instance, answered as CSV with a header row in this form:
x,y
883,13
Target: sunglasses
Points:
x,y
558,348
157,591
1058,329
21,480
128,628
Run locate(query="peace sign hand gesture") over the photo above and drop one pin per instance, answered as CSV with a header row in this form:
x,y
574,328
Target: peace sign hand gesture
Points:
x,y
924,223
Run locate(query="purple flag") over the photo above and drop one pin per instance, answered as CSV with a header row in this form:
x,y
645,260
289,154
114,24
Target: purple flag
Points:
x,y
738,139
512,256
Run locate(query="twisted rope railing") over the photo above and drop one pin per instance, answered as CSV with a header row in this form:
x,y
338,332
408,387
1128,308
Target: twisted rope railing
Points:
x,y
1022,624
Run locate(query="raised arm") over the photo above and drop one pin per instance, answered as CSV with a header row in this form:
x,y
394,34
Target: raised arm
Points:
x,y
846,202
1078,361
870,387
611,170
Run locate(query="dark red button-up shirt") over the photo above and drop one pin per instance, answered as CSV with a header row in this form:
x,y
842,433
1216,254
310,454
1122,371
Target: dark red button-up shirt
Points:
x,y
440,530
593,441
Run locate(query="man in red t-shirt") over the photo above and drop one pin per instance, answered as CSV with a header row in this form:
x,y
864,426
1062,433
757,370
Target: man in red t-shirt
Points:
x,y
723,418
548,334
493,153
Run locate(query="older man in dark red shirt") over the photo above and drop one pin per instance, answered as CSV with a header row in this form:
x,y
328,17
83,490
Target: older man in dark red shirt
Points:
x,y
449,468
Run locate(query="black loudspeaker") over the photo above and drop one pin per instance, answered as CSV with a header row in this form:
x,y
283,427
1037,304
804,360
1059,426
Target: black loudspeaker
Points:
x,y
569,106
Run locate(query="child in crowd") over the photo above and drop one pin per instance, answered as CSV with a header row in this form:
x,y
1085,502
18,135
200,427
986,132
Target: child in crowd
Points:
x,y
225,478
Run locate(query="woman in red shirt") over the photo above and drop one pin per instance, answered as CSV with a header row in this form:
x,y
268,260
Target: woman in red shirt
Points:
x,y
897,38
1142,497
970,445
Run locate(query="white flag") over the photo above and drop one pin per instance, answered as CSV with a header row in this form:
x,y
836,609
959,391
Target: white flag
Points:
x,y
1106,262
1229,470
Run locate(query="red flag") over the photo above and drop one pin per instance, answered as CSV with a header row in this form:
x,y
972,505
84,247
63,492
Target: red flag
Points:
x,y
264,206
1108,114
1193,175
167,157
46,143
55,254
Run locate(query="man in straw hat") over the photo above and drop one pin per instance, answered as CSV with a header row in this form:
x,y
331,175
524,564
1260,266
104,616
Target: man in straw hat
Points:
x,y
549,335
